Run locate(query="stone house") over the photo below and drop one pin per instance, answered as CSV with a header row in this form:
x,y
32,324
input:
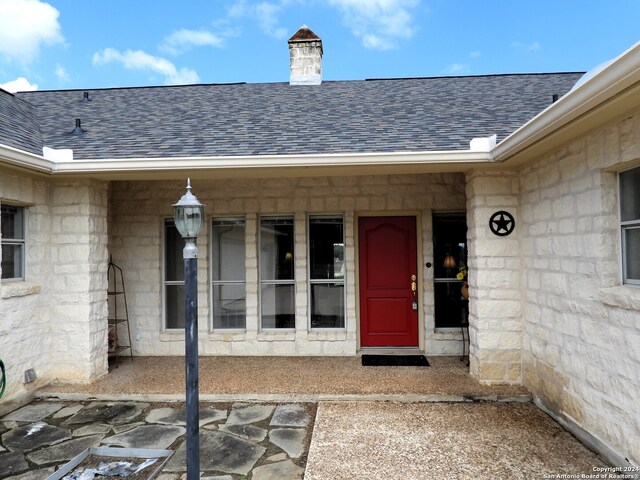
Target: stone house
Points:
x,y
326,203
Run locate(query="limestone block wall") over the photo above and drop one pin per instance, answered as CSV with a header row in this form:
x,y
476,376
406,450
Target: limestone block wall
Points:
x,y
495,320
581,342
79,275
135,241
55,321
24,306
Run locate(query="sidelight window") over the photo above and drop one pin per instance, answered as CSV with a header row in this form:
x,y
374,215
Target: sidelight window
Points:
x,y
326,271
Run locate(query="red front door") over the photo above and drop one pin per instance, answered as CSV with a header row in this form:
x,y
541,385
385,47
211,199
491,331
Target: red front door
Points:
x,y
388,266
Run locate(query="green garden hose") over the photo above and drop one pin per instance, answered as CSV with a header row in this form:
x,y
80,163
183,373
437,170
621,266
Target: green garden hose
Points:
x,y
3,379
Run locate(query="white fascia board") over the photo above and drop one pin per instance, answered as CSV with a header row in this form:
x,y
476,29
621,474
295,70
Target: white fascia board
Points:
x,y
621,73
270,161
20,158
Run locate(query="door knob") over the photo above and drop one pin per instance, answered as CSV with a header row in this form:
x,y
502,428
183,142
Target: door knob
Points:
x,y
413,286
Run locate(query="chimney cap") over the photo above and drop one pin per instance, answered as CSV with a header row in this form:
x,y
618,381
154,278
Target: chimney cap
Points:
x,y
304,34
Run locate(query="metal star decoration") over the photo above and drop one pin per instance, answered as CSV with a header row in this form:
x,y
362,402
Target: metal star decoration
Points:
x,y
502,223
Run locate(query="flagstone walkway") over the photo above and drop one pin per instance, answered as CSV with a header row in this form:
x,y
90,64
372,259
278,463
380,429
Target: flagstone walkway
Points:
x,y
237,441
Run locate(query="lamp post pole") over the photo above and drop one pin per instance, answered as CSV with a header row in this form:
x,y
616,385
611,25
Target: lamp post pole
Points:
x,y
190,254
189,218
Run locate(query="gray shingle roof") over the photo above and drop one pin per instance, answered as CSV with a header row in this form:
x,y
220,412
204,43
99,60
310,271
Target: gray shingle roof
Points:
x,y
19,124
427,114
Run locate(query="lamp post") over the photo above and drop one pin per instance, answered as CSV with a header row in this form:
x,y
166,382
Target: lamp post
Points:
x,y
188,215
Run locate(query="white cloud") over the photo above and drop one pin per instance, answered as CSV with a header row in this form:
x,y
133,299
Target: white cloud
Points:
x,y
265,13
182,40
26,26
61,73
375,42
456,69
139,60
378,23
474,54
20,84
531,47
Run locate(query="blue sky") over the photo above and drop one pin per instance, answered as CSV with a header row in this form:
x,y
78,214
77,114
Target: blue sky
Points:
x,y
90,44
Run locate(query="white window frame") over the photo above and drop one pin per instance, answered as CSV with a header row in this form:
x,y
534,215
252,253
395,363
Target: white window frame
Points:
x,y
226,282
275,282
311,281
624,227
17,241
166,282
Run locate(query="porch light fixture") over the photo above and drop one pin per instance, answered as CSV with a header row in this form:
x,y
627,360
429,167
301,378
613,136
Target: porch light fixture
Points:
x,y
188,215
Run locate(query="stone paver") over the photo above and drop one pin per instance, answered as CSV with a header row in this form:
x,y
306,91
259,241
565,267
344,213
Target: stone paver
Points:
x,y
39,474
33,412
248,432
291,440
12,464
290,415
92,429
147,436
286,470
64,451
177,416
277,458
109,412
251,414
35,435
68,411
220,451
127,426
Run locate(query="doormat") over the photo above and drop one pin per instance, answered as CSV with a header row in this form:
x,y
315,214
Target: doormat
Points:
x,y
394,361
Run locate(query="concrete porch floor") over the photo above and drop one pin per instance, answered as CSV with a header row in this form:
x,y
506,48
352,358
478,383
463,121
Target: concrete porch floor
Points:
x,y
301,378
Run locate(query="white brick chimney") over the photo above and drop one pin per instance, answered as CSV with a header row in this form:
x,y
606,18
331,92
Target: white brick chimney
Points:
x,y
305,57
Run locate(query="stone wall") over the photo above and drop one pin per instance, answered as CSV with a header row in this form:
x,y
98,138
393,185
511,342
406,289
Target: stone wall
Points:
x,y
495,321
55,321
581,341
136,245
24,306
79,272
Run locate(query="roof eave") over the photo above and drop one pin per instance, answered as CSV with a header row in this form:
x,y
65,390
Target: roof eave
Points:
x,y
142,166
610,92
22,159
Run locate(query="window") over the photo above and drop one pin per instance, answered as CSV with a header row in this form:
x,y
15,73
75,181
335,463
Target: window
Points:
x,y
326,271
173,277
449,255
277,284
12,231
630,225
228,273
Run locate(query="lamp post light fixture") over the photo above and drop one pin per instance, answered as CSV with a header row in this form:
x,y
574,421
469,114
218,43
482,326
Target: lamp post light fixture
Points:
x,y
188,215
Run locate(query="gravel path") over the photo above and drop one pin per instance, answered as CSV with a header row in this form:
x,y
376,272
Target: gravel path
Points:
x,y
423,441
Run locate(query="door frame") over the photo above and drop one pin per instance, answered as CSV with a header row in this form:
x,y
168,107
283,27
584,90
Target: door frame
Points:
x,y
417,214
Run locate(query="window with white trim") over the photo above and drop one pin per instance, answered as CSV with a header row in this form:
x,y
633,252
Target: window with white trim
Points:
x,y
630,225
228,273
277,268
13,242
173,277
326,271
